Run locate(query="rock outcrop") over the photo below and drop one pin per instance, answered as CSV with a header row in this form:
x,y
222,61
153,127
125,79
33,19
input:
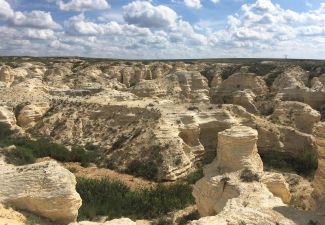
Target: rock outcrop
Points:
x,y
319,179
276,183
241,89
6,76
30,114
45,189
231,188
297,115
7,121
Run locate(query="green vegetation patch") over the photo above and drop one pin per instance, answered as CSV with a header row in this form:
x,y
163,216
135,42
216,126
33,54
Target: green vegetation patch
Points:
x,y
305,164
193,177
28,150
114,199
146,170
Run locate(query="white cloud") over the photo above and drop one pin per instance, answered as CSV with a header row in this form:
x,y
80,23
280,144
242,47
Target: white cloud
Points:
x,y
81,26
144,14
193,3
34,19
215,1
6,11
43,34
83,5
264,24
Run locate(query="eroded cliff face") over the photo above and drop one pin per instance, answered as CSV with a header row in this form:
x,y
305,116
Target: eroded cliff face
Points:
x,y
170,113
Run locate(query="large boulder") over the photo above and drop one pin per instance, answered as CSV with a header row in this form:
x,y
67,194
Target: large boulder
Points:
x,y
45,189
30,114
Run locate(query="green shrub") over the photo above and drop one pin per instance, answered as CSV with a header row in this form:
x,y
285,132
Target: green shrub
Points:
x,y
32,220
193,177
27,150
114,199
146,170
20,156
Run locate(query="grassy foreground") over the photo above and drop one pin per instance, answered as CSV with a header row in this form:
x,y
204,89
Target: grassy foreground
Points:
x,y
114,199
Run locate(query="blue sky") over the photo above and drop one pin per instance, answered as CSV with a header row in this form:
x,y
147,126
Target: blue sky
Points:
x,y
143,29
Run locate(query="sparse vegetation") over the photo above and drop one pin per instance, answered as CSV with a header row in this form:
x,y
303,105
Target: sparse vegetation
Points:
x,y
248,176
28,150
32,220
261,69
146,170
114,199
193,177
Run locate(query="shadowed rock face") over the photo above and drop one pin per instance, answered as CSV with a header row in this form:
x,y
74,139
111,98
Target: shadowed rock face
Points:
x,y
45,189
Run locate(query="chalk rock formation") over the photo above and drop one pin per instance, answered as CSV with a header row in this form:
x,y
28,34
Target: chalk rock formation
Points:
x,y
319,179
45,189
276,183
10,217
7,121
231,187
30,114
291,78
6,75
150,88
122,221
237,150
297,115
241,89
189,84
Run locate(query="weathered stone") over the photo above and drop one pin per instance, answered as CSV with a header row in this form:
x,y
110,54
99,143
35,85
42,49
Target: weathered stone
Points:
x,y
45,189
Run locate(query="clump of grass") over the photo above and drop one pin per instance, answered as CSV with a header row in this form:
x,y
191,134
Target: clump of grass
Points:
x,y
193,177
146,170
248,176
32,220
114,199
28,150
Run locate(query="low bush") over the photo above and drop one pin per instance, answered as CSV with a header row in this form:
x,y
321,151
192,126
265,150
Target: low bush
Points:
x,y
32,220
193,177
28,150
146,170
20,156
114,199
